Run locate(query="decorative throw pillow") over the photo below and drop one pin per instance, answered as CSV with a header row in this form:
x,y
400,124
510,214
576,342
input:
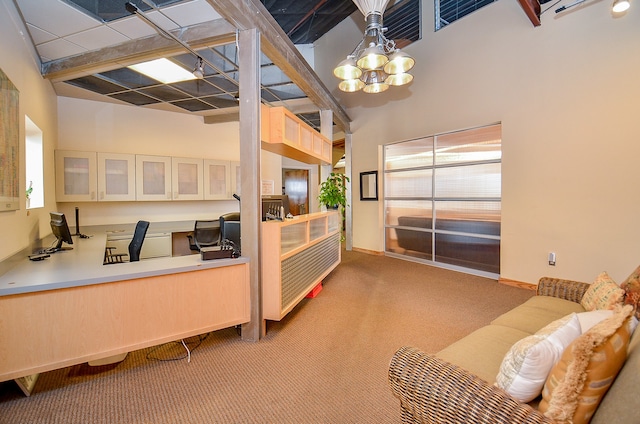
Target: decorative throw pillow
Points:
x,y
631,287
526,366
603,293
586,370
591,318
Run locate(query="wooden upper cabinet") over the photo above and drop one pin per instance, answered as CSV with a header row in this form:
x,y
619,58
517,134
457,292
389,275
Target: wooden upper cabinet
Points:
x,y
285,134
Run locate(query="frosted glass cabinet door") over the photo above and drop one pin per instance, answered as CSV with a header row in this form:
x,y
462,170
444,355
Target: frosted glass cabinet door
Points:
x,y
235,178
116,177
153,177
186,178
216,179
75,176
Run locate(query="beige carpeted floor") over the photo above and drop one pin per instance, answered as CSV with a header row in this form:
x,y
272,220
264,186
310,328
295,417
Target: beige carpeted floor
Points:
x,y
326,362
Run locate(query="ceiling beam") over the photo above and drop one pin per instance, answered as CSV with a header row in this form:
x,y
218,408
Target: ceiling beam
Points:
x,y
206,34
532,9
248,14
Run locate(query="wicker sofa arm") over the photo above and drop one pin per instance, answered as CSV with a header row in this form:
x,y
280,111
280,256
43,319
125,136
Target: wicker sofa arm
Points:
x,y
564,289
434,391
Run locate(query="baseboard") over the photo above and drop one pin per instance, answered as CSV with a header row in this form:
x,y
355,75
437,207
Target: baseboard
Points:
x,y
519,284
368,252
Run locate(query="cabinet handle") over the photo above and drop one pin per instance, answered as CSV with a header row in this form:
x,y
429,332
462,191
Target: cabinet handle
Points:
x,y
93,195
101,195
169,196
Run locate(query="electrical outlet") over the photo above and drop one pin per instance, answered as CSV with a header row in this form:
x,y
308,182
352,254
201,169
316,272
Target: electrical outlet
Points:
x,y
552,259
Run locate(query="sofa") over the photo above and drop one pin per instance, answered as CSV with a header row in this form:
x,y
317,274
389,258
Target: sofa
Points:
x,y
458,384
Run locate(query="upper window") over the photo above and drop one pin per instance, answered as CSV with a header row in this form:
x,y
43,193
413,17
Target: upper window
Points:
x,y
403,22
448,11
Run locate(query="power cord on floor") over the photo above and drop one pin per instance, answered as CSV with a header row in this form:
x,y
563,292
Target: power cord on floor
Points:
x,y
163,352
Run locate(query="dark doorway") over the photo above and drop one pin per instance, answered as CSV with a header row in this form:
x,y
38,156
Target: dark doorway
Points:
x,y
296,186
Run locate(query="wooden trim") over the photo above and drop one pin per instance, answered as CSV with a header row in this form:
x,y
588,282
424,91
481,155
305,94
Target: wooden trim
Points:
x,y
519,284
532,9
368,252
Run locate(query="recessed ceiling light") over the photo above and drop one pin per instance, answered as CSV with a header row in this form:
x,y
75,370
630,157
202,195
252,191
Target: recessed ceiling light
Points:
x,y
163,70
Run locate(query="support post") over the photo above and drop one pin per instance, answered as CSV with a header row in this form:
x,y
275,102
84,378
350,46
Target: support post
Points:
x,y
249,61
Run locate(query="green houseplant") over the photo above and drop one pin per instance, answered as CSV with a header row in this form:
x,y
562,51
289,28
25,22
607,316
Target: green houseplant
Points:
x,y
333,191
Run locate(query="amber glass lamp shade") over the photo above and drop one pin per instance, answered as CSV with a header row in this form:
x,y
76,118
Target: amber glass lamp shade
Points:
x,y
372,58
347,69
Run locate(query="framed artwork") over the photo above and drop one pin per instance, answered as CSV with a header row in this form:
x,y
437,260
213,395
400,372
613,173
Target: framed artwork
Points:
x,y
369,185
9,145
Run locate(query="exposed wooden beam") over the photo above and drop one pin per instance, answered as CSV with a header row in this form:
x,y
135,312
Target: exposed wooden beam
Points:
x,y
532,9
247,14
206,34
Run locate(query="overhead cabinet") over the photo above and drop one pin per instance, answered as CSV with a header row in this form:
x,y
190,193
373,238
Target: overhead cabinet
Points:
x,y
76,176
285,134
116,177
91,176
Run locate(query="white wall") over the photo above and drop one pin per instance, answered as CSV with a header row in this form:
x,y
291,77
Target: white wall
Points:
x,y
38,101
568,96
106,127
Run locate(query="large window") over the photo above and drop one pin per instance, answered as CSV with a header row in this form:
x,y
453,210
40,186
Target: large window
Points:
x,y
442,199
448,11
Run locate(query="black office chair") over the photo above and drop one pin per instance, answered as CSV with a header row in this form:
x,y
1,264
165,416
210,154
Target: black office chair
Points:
x,y
205,234
135,246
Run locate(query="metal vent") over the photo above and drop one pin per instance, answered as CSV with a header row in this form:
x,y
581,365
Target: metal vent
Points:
x,y
301,270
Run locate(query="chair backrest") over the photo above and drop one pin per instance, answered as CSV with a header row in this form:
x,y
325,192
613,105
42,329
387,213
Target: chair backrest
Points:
x,y
206,233
138,238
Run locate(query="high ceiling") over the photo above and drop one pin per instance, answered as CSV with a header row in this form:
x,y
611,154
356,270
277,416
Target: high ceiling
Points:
x,y
64,30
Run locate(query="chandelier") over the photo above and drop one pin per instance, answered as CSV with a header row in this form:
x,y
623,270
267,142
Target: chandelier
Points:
x,y
376,63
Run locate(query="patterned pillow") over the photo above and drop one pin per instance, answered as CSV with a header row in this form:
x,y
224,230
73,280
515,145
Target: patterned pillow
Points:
x,y
526,366
603,293
586,370
631,287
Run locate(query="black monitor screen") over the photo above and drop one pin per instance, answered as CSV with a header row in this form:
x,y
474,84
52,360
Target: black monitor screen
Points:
x,y
231,231
60,230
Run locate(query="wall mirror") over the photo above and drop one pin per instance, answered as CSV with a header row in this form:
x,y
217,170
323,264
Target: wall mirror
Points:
x,y
369,185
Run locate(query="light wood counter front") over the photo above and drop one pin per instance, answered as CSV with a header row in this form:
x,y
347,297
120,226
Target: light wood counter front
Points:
x,y
71,309
296,255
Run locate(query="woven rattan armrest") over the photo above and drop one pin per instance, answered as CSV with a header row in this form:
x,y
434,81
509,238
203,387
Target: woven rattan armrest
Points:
x,y
435,391
563,289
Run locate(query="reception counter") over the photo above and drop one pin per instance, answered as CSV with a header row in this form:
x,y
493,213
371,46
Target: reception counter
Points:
x,y
296,255
70,308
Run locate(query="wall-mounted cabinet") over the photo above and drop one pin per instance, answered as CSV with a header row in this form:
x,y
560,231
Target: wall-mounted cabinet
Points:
x,y
104,177
285,134
296,255
187,179
216,179
76,176
116,177
235,178
153,177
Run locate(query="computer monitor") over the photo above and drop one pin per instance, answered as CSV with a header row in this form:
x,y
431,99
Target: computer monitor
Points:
x,y
230,230
60,230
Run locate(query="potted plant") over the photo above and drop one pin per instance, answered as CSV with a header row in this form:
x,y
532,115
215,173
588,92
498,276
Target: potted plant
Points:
x,y
333,191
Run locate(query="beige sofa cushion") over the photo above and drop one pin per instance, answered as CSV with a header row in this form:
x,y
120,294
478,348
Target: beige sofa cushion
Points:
x,y
536,313
494,341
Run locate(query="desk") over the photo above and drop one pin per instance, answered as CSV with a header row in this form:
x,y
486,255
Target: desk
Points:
x,y
71,309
